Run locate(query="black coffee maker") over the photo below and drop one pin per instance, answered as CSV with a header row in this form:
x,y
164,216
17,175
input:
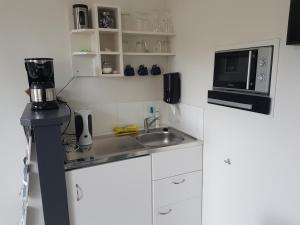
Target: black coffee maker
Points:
x,y
40,74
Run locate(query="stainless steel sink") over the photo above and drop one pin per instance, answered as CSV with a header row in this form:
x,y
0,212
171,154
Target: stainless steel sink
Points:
x,y
159,139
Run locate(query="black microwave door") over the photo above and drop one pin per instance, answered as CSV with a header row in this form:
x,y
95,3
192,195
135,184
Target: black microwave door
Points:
x,y
231,69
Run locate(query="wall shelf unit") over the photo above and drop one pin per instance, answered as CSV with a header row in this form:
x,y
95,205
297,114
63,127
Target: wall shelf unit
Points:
x,y
110,53
83,31
111,75
147,33
107,30
84,54
97,46
148,54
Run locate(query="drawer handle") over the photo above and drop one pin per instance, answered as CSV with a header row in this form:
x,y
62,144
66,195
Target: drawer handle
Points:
x,y
165,213
79,193
179,182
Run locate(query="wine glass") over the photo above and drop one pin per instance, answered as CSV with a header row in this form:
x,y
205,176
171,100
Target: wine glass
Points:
x,y
126,17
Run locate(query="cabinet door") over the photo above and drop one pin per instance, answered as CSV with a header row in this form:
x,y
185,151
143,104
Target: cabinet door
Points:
x,y
184,213
111,194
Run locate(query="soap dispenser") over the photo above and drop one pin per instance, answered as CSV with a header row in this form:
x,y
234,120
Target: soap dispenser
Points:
x,y
151,111
172,86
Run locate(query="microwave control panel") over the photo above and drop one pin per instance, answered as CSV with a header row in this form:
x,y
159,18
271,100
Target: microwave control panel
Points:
x,y
264,67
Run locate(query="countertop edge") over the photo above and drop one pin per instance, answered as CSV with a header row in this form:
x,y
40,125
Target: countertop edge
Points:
x,y
129,155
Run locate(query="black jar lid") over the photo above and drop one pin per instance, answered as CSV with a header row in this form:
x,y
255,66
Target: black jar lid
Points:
x,y
27,59
38,60
80,6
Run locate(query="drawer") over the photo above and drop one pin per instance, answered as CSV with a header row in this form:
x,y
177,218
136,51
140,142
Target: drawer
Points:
x,y
176,162
175,189
183,213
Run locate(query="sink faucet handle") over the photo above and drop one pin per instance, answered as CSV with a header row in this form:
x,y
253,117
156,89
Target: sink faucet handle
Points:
x,y
146,124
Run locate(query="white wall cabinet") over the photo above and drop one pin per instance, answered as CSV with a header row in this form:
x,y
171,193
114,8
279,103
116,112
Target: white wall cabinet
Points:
x,y
116,193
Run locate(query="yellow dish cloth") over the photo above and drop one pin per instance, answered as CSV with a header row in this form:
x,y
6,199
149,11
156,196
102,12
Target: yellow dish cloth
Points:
x,y
130,129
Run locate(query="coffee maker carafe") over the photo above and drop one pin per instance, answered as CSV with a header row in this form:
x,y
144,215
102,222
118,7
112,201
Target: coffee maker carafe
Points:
x,y
40,74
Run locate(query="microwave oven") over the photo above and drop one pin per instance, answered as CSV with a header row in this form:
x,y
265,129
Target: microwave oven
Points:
x,y
242,79
246,70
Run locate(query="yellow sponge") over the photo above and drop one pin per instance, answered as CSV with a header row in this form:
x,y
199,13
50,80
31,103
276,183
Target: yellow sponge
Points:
x,y
130,129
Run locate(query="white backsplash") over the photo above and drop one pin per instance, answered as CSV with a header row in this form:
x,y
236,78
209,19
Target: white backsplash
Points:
x,y
184,117
187,118
108,116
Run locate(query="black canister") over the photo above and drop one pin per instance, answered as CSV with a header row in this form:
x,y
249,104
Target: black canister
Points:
x,y
80,16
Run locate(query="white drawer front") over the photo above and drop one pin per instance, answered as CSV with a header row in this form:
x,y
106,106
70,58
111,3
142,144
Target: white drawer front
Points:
x,y
175,189
176,162
183,213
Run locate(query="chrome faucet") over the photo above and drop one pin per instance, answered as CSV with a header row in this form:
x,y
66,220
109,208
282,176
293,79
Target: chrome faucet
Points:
x,y
148,122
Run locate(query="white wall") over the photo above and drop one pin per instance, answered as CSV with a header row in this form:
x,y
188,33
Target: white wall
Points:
x,y
262,185
28,28
40,28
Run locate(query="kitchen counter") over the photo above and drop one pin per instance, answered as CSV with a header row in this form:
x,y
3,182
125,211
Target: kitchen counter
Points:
x,y
110,148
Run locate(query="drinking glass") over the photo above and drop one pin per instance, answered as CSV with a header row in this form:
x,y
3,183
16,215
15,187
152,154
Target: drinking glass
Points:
x,y
139,46
138,21
158,46
162,21
148,23
125,44
146,46
169,22
156,27
165,46
126,17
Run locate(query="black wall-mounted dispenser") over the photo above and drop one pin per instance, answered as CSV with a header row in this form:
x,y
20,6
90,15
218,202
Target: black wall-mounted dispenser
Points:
x,y
172,88
293,35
